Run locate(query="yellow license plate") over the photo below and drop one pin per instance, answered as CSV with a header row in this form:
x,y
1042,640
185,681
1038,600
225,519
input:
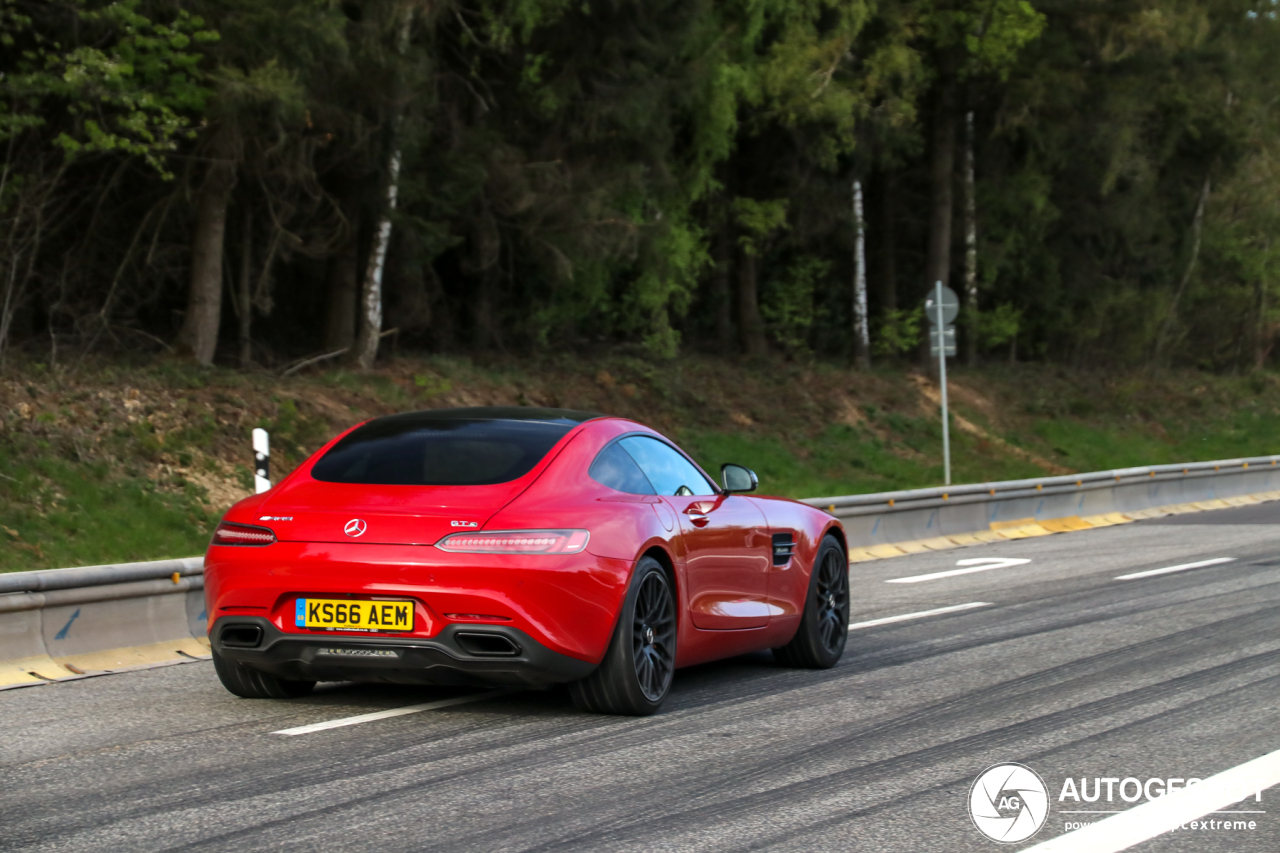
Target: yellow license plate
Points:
x,y
350,615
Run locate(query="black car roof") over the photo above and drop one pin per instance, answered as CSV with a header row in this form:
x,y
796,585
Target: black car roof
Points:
x,y
567,417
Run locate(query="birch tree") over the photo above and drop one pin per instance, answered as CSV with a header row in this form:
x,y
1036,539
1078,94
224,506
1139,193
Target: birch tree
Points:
x,y
371,297
862,325
970,38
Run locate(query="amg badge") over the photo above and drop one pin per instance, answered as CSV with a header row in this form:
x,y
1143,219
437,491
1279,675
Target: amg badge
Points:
x,y
360,653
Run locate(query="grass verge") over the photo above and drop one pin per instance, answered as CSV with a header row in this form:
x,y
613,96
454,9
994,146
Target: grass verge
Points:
x,y
133,460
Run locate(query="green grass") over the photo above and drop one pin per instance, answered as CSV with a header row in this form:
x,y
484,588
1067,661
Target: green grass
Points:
x,y
60,512
99,466
844,460
1244,429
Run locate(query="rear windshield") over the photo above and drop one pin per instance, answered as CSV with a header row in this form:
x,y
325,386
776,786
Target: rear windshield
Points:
x,y
402,452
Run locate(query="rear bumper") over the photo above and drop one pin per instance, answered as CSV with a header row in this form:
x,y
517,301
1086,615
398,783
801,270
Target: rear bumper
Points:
x,y
565,604
458,655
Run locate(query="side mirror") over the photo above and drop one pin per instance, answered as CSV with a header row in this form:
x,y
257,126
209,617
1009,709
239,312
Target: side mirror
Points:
x,y
738,479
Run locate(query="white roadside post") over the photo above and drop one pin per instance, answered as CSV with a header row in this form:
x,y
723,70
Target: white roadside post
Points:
x,y
940,308
261,461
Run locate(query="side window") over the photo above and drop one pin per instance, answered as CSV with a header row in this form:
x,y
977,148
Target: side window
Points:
x,y
615,468
666,469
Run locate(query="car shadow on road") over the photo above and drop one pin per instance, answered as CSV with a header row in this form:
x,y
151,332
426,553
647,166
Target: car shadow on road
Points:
x,y
707,683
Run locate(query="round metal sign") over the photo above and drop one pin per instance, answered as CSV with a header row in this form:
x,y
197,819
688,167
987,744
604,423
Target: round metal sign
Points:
x,y
950,306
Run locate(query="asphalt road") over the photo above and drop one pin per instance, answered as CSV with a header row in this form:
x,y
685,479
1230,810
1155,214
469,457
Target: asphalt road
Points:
x,y
1063,668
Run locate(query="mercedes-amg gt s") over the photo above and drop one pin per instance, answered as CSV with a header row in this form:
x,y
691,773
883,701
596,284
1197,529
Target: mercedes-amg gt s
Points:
x,y
516,546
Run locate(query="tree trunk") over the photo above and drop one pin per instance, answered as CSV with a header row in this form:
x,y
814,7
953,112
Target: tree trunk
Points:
x,y
749,323
341,273
1262,337
7,308
1171,317
485,252
199,334
862,326
970,247
245,301
887,208
938,262
721,300
942,166
366,348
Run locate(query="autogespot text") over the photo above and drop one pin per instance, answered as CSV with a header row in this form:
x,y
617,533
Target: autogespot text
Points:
x,y
1110,790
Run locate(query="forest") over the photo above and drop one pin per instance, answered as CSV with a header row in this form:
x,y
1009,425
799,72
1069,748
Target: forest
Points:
x,y
281,183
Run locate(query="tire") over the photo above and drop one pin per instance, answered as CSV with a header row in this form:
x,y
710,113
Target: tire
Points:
x,y
635,676
824,627
250,684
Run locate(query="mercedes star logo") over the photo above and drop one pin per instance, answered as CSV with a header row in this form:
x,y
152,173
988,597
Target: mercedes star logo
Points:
x,y
355,527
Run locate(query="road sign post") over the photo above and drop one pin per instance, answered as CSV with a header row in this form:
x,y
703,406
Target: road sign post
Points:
x,y
945,338
941,307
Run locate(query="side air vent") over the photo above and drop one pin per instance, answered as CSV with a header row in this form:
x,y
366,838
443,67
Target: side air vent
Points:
x,y
241,636
784,545
486,645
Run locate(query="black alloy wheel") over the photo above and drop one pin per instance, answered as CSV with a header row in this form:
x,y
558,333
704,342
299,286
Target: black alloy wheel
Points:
x,y
832,600
824,627
654,637
635,675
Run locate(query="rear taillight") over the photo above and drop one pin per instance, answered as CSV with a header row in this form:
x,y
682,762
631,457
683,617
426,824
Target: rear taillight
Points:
x,y
516,542
227,533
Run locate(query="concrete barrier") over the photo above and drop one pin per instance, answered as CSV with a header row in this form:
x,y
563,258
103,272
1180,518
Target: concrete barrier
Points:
x,y
68,623
888,524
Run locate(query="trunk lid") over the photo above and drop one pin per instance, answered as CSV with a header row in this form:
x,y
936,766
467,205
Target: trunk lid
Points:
x,y
309,510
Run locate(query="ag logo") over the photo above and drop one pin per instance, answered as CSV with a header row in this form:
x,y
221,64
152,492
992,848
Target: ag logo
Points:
x,y
355,527
1008,803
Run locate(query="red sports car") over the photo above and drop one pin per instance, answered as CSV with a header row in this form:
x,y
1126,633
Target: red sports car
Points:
x,y
516,546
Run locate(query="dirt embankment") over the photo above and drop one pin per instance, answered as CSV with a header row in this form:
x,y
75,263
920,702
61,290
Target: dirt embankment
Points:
x,y
159,450
176,424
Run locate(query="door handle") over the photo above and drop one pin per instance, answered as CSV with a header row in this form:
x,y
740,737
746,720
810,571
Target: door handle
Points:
x,y
696,515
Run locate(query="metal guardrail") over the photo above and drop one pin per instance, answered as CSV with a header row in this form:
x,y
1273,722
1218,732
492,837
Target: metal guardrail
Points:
x,y
57,622
91,584
19,601
51,579
907,499
864,504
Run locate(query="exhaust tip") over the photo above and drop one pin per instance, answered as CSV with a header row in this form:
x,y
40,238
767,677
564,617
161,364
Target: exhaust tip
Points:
x,y
241,636
484,645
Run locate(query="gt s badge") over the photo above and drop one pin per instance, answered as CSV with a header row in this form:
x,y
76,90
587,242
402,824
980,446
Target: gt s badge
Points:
x,y
464,524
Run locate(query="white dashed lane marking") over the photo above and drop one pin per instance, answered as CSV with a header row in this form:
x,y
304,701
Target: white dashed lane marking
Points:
x,y
955,608
393,712
1166,570
977,564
